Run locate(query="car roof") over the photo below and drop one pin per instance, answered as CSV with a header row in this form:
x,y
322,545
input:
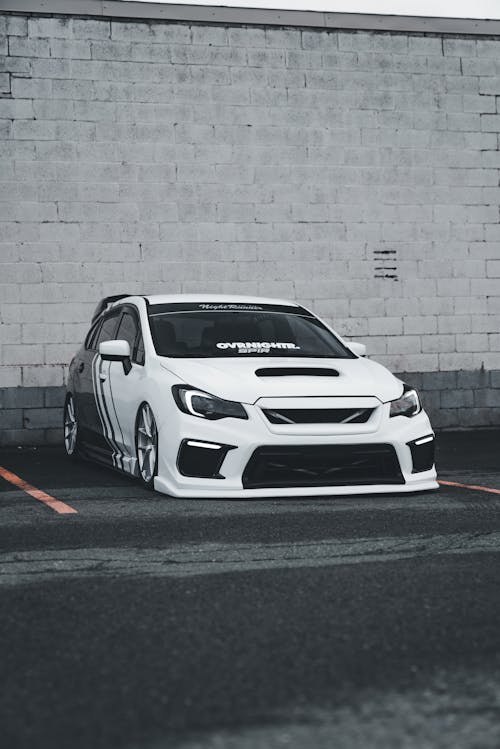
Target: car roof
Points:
x,y
198,298
108,303
216,299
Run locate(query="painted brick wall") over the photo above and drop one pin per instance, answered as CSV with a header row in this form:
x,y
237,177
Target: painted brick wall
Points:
x,y
355,172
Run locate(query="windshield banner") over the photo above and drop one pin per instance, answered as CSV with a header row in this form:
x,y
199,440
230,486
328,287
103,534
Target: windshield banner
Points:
x,y
255,347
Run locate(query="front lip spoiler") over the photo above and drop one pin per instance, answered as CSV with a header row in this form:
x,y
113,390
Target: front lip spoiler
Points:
x,y
219,492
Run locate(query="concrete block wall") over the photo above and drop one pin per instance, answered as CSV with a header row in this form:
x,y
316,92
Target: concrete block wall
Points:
x,y
357,172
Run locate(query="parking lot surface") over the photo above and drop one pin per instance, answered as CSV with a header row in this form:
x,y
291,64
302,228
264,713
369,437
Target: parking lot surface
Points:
x,y
131,619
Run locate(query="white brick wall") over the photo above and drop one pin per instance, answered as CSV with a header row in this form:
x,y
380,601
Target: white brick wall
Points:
x,y
355,172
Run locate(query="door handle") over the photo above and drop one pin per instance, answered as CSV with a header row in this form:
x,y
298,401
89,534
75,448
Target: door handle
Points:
x,y
81,367
103,377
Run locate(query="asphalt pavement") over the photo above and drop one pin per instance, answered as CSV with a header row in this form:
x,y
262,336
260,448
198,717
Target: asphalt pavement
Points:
x,y
133,620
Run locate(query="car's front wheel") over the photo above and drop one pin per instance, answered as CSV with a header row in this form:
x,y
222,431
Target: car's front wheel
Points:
x,y
146,443
70,427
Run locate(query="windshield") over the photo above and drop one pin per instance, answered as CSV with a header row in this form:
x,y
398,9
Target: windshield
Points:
x,y
266,332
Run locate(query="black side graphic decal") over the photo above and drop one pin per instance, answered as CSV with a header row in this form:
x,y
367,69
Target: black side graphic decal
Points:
x,y
107,426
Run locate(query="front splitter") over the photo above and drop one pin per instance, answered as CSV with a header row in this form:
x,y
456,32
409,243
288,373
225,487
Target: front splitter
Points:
x,y
427,484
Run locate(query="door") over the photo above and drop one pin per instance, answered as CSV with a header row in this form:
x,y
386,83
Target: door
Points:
x,y
123,390
95,419
82,383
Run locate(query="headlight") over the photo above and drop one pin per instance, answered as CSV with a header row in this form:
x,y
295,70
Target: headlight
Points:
x,y
407,405
206,406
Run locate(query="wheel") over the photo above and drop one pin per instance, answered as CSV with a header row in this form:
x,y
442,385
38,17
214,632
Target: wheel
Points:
x,y
146,443
70,427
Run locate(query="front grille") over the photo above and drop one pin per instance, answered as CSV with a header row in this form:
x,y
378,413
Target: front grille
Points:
x,y
322,465
318,415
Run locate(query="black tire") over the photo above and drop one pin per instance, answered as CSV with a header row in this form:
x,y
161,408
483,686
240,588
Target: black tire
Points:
x,y
70,428
146,445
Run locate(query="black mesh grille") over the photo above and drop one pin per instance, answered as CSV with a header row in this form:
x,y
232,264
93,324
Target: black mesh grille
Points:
x,y
318,415
322,465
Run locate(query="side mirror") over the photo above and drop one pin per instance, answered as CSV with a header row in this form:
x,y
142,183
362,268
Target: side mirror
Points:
x,y
357,348
116,351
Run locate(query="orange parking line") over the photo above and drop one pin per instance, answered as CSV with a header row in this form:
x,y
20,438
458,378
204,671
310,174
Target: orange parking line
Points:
x,y
54,504
470,486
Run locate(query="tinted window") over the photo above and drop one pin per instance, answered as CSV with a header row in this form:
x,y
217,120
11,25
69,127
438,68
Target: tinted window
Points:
x,y
90,341
108,328
140,356
242,333
128,330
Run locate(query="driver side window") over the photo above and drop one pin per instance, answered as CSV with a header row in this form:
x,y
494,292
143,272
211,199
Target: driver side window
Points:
x,y
108,328
128,330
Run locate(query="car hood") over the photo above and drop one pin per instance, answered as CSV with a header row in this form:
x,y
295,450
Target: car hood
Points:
x,y
236,378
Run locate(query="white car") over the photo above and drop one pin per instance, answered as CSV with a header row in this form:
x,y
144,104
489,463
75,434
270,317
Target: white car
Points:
x,y
240,397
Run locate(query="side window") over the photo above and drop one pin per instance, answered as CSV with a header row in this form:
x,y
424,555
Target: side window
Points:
x,y
108,328
90,341
140,356
128,330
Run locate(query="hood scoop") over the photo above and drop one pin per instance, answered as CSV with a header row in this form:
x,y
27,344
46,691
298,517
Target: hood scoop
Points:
x,y
296,372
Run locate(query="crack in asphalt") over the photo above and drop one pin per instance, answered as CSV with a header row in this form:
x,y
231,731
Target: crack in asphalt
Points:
x,y
184,560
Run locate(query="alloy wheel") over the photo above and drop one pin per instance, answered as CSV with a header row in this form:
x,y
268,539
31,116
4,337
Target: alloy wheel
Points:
x,y
70,427
147,444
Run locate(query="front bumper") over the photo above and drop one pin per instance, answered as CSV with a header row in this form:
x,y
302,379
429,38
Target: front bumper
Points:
x,y
318,467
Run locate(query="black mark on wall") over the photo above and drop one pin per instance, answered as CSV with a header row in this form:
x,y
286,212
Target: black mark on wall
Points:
x,y
385,264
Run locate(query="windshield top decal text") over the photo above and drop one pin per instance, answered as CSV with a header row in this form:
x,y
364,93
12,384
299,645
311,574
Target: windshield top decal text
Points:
x,y
231,306
255,347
